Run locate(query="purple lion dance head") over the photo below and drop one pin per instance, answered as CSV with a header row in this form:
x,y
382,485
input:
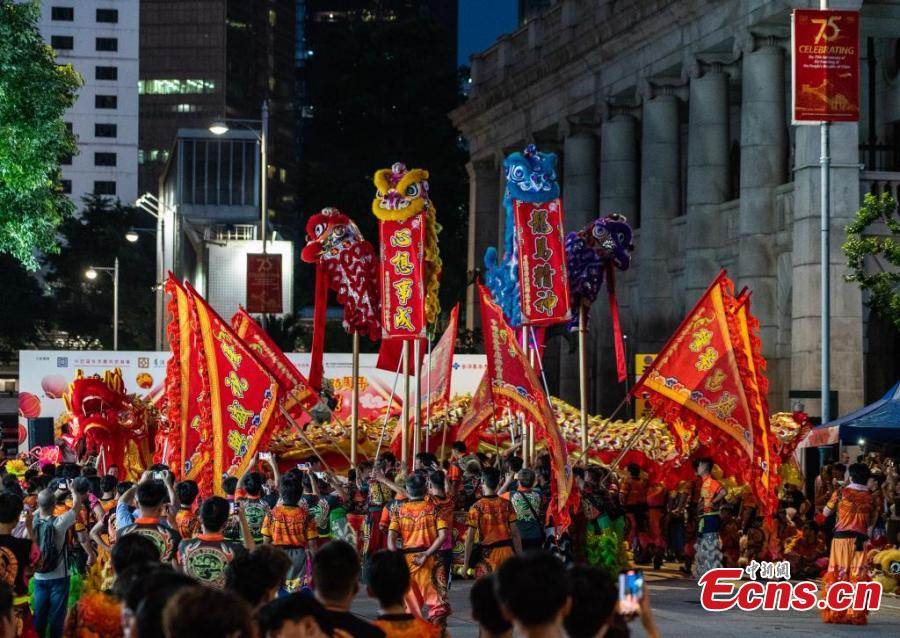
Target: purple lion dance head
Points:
x,y
591,253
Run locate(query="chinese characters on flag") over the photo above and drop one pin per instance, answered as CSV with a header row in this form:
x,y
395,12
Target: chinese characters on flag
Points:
x,y
542,262
401,277
825,65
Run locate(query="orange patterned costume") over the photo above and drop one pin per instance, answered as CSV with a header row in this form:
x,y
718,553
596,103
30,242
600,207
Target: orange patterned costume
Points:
x,y
492,518
417,524
408,626
855,507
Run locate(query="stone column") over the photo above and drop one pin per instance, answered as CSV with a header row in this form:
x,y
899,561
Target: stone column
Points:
x,y
847,320
484,207
619,167
660,192
763,168
579,192
708,176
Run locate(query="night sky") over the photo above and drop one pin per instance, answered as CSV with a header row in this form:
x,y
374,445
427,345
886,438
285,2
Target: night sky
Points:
x,y
481,22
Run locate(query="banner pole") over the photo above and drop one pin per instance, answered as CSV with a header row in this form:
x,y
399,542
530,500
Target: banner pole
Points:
x,y
582,377
825,248
354,413
428,401
526,350
387,412
404,413
631,442
417,417
303,436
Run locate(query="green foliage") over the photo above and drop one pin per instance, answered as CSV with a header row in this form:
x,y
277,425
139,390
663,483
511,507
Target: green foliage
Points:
x,y
34,95
24,320
863,249
84,308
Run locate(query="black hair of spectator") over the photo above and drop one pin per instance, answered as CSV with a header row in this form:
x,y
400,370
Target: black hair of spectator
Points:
x,y
10,508
11,485
151,494
187,492
459,446
214,513
293,607
30,474
149,589
48,470
336,570
634,469
229,485
187,615
388,577
133,549
108,483
415,485
438,479
490,476
291,489
516,463
88,471
253,576
859,473
578,472
525,477
159,467
594,595
253,483
81,485
96,485
533,588
123,486
485,608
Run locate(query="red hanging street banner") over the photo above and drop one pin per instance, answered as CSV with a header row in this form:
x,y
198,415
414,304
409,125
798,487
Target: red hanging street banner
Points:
x,y
825,68
543,279
401,275
264,284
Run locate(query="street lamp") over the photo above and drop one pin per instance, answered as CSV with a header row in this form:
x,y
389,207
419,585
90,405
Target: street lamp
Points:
x,y
220,127
91,273
131,236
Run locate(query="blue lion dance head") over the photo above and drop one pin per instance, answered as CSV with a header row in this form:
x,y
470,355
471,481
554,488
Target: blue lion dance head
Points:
x,y
530,177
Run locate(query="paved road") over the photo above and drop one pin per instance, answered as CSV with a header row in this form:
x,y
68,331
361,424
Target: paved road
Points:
x,y
676,607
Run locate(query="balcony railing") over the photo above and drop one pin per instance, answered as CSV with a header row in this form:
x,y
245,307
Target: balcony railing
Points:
x,y
878,182
231,232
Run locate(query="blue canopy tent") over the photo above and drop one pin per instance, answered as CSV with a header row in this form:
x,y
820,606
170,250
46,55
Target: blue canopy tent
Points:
x,y
878,422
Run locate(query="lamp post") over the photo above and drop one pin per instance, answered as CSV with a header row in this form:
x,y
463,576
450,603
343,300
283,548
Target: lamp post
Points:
x,y
220,127
91,273
156,209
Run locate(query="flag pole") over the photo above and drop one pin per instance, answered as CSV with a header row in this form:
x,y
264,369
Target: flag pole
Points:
x,y
387,412
526,350
354,408
404,413
428,394
631,442
303,436
417,417
582,377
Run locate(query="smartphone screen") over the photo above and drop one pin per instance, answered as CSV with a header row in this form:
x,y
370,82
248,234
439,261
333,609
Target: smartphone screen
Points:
x,y
631,592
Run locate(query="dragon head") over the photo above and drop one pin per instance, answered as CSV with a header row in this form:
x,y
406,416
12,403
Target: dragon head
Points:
x,y
611,238
401,192
328,233
96,402
531,175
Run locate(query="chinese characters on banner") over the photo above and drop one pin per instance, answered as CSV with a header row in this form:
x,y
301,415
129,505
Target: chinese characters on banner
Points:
x,y
264,284
825,65
401,277
542,262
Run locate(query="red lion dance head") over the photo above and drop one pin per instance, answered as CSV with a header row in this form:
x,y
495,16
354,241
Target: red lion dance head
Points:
x,y
345,263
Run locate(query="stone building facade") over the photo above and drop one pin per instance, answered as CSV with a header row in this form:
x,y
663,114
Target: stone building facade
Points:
x,y
676,113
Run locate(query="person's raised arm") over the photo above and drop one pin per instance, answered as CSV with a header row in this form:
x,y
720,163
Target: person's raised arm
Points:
x,y
247,535
97,534
276,475
510,477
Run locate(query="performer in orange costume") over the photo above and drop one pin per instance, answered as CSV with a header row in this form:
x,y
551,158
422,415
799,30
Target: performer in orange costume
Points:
x,y
708,550
856,513
634,498
656,511
416,525
493,518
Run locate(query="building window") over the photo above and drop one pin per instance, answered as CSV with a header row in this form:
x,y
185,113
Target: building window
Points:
x,y
108,15
175,86
107,44
106,101
105,130
62,14
184,108
104,159
65,186
104,188
62,42
106,73
65,160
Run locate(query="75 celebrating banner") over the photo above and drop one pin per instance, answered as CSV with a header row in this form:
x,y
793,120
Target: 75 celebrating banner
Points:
x,y
402,276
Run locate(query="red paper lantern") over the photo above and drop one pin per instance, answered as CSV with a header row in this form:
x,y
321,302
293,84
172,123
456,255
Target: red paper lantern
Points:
x,y
23,434
29,405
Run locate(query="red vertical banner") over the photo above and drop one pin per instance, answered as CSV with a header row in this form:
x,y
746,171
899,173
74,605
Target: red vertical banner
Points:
x,y
401,278
542,262
825,70
264,284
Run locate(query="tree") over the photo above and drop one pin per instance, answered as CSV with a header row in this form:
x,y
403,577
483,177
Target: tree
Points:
x,y
864,247
22,321
34,94
83,308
